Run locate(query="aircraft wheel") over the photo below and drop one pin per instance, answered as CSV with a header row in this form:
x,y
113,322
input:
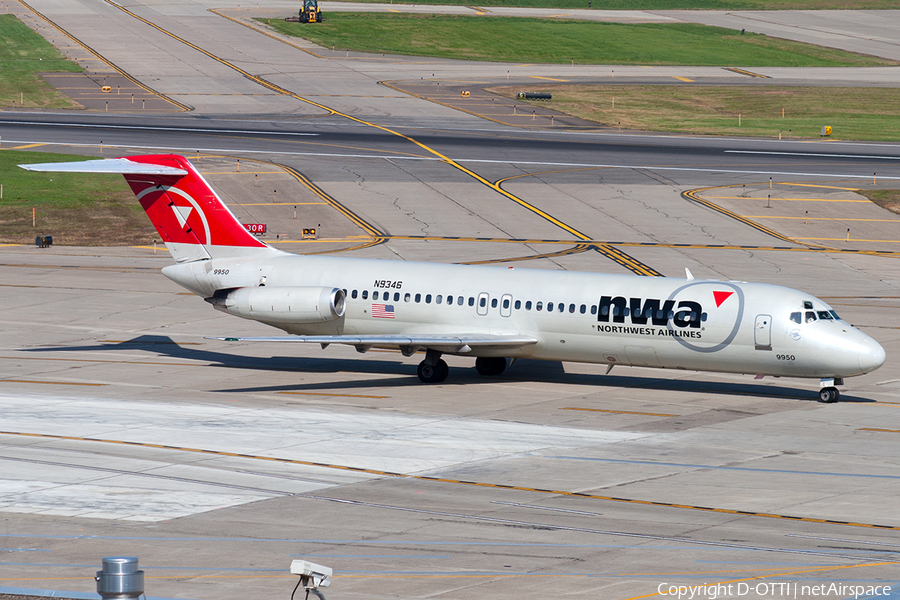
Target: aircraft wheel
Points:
x,y
490,366
829,395
433,373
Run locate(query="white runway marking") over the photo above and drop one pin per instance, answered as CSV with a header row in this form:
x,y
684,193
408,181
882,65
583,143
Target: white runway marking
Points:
x,y
64,483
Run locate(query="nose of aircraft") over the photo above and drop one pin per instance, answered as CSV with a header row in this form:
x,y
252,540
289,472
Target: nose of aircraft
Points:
x,y
871,355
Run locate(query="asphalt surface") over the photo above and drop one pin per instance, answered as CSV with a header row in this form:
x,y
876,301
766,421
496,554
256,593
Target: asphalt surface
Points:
x,y
127,432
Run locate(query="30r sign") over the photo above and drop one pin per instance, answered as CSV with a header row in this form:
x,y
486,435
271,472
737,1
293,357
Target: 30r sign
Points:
x,y
255,228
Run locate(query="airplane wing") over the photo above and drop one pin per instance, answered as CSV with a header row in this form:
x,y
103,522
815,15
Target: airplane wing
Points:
x,y
443,343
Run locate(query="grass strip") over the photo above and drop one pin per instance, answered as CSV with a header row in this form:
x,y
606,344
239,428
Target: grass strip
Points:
x,y
527,40
75,208
853,113
672,4
24,54
886,199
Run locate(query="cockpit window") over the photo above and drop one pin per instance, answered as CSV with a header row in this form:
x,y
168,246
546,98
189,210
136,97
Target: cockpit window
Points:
x,y
796,317
810,316
835,315
807,304
825,315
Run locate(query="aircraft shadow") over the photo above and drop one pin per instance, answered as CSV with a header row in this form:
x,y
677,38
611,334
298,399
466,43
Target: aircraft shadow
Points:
x,y
405,372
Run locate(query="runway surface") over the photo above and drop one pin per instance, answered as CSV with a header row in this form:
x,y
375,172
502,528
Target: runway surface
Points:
x,y
124,431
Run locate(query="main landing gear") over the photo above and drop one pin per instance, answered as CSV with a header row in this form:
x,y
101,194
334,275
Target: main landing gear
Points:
x,y
432,369
489,366
435,370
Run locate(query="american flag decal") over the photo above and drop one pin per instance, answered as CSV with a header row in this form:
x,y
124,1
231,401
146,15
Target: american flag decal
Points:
x,y
383,311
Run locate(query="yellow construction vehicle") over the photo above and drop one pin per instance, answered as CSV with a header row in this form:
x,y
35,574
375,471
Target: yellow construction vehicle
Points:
x,y
310,13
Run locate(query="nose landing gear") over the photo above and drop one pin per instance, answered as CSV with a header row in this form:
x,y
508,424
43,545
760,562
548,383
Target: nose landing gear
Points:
x,y
829,395
827,392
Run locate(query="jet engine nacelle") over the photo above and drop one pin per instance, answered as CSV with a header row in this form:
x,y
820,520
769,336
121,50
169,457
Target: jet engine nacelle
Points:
x,y
282,304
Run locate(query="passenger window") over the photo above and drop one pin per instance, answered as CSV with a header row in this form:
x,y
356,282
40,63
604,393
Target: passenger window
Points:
x,y
365,294
824,315
482,302
550,306
505,303
702,317
562,307
572,308
406,297
493,303
450,300
353,294
539,306
615,310
397,297
427,298
810,316
796,317
583,309
604,311
518,304
460,300
418,298
438,299
594,309
471,301
375,295
528,305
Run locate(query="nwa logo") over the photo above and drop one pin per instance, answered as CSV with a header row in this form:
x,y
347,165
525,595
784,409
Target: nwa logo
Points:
x,y
687,313
192,224
681,316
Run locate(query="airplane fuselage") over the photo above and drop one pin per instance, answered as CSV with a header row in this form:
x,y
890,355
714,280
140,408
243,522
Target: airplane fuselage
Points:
x,y
489,313
707,325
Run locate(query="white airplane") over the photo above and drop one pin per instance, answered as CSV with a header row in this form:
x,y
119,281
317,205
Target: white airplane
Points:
x,y
489,313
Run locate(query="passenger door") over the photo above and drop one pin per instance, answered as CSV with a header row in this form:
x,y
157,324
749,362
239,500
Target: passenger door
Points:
x,y
762,332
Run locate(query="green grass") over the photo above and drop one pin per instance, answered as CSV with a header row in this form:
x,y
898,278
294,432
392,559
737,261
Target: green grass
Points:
x,y
673,4
560,41
75,208
853,113
887,199
24,54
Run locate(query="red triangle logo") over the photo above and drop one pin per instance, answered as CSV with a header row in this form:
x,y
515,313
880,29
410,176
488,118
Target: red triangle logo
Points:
x,y
721,297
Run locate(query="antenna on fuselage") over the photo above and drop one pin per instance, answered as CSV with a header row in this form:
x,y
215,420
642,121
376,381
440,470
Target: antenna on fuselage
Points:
x,y
687,273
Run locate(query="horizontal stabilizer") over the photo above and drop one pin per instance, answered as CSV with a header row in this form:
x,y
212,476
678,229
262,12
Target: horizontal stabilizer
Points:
x,y
120,166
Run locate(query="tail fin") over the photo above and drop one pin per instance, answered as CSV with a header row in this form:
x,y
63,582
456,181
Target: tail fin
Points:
x,y
191,219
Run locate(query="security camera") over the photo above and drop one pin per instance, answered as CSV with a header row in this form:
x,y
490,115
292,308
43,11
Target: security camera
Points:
x,y
312,576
